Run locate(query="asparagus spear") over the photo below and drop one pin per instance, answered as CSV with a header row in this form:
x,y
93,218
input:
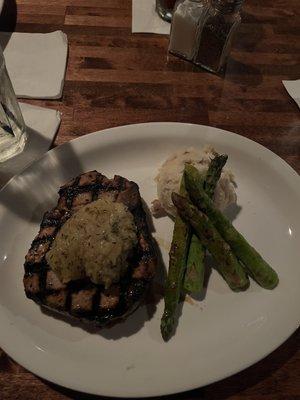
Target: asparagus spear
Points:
x,y
213,174
228,265
177,264
194,275
255,265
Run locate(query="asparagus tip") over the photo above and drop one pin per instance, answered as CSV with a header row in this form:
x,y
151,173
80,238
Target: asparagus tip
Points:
x,y
166,328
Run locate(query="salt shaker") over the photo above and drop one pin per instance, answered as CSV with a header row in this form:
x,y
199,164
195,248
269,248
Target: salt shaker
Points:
x,y
187,22
214,41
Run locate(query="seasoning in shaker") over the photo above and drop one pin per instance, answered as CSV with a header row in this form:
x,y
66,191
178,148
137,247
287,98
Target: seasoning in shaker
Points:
x,y
188,19
164,8
214,43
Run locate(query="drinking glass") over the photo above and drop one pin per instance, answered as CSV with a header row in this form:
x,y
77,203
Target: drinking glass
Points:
x,y
164,9
12,125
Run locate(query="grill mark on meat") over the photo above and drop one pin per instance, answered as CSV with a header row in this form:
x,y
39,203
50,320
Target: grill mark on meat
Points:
x,y
82,298
62,203
144,270
82,199
130,197
53,282
82,301
32,284
37,252
88,178
46,232
51,218
57,300
109,298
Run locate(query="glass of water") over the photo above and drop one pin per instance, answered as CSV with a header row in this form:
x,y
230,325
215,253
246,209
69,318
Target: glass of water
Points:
x,y
12,125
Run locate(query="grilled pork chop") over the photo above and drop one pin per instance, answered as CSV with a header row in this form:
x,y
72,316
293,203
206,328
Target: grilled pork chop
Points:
x,y
83,299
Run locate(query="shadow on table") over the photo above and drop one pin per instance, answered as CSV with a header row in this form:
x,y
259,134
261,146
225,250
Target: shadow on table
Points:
x,y
242,74
8,19
237,71
224,389
34,191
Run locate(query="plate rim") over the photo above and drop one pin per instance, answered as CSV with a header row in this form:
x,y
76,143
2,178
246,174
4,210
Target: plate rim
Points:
x,y
80,387
115,128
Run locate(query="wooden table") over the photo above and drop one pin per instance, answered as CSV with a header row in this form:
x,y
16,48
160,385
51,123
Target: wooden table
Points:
x,y
116,78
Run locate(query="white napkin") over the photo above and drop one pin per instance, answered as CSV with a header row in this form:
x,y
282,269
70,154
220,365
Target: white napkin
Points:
x,y
36,63
145,19
293,89
42,125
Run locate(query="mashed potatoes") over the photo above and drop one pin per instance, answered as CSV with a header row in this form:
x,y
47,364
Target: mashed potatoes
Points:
x,y
170,173
95,243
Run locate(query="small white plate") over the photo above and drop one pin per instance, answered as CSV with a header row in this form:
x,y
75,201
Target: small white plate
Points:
x,y
215,338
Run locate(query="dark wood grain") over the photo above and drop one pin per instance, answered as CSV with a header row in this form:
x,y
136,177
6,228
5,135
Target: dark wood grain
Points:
x,y
115,78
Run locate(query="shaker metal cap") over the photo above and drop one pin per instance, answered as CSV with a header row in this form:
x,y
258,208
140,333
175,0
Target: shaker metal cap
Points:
x,y
227,6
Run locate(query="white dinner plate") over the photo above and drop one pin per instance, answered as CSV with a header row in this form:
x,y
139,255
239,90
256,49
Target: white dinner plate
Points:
x,y
216,337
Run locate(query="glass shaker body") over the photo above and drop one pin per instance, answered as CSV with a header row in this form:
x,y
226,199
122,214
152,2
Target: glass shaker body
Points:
x,y
214,45
12,125
187,22
164,9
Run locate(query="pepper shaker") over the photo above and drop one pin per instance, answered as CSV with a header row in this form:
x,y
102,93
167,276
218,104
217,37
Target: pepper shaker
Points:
x,y
214,42
187,22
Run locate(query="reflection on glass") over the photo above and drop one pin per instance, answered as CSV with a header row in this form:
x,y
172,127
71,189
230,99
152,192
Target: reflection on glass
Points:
x,y
12,126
